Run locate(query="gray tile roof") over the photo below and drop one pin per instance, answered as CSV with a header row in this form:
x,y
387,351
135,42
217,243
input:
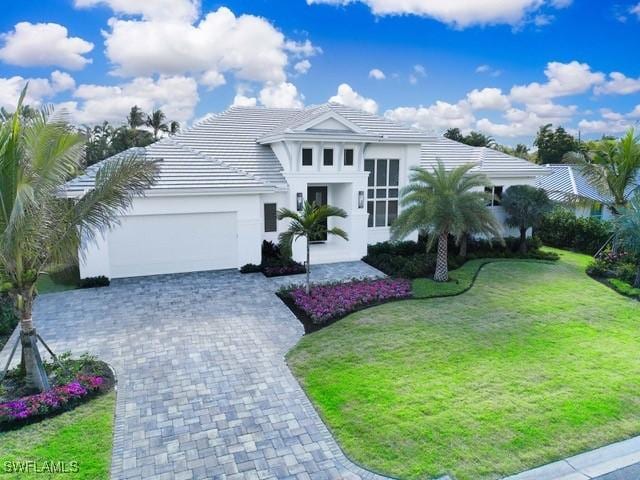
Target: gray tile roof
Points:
x,y
487,160
224,151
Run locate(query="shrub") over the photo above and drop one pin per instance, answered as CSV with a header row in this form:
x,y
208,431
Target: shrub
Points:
x,y
624,288
332,301
66,276
562,229
250,268
8,317
94,282
291,268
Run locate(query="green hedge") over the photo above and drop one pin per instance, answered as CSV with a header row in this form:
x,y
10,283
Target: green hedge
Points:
x,y
562,229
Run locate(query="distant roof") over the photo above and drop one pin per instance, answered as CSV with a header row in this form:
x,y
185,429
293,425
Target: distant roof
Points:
x,y
567,183
454,154
230,151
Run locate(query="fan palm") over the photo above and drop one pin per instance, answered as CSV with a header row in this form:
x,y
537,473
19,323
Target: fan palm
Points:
x,y
525,206
441,203
39,229
612,166
310,224
627,228
157,121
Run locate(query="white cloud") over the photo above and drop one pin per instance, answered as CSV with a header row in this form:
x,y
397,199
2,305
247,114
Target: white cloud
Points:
x,y
488,99
177,96
39,89
437,117
280,95
604,127
246,45
635,113
459,13
348,96
44,44
302,67
619,84
564,79
488,70
212,79
636,10
377,74
241,100
156,9
418,72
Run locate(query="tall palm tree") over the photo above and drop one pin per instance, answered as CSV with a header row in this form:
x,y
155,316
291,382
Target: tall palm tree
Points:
x,y
135,118
39,229
174,127
157,121
441,203
310,224
612,166
627,229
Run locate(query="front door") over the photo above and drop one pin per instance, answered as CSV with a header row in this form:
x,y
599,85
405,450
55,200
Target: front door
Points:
x,y
318,195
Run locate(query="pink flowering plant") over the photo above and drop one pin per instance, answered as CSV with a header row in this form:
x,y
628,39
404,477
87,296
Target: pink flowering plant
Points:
x,y
332,301
56,399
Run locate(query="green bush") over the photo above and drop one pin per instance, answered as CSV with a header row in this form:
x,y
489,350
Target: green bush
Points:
x,y
94,282
562,229
250,268
624,288
66,276
8,317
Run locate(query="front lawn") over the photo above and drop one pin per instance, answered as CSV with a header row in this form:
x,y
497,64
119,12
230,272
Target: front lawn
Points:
x,y
83,435
536,362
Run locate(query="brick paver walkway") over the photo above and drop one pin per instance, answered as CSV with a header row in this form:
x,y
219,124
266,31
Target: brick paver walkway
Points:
x,y
203,388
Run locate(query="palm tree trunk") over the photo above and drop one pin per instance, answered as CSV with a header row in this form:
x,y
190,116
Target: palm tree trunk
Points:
x,y
36,376
523,240
463,246
308,269
442,270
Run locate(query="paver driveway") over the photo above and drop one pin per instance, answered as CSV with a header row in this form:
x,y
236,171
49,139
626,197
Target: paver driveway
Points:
x,y
203,389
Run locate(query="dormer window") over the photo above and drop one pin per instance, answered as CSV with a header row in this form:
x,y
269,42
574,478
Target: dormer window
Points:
x,y
348,157
327,157
307,157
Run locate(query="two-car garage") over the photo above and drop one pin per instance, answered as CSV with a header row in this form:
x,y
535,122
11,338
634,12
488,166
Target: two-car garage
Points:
x,y
173,243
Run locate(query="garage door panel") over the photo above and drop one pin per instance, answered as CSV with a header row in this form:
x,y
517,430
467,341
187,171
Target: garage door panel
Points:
x,y
158,244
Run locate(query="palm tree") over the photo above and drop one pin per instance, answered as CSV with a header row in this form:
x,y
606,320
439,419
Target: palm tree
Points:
x,y
525,207
39,229
441,203
135,118
157,122
174,127
310,224
627,228
478,220
612,167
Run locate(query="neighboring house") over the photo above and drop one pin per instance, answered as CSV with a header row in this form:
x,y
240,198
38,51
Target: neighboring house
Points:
x,y
222,181
567,185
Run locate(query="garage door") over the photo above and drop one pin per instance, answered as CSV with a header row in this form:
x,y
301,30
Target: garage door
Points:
x,y
158,244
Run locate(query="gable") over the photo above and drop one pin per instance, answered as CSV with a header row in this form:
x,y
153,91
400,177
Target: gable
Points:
x,y
331,124
329,121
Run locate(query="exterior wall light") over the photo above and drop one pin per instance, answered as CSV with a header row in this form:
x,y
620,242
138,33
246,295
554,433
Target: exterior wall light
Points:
x,y
361,199
299,201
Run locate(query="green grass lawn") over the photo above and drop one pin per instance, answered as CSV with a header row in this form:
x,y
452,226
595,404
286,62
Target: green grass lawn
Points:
x,y
83,435
536,362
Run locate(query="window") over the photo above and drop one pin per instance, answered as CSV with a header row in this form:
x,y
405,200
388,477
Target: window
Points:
x,y
307,157
596,210
348,157
382,195
327,157
496,196
270,217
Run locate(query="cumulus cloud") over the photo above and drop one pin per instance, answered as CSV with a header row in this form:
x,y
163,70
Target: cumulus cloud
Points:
x,y
563,79
39,89
635,113
346,95
280,95
488,99
302,67
458,13
240,100
619,84
247,46
377,74
42,45
177,96
437,117
157,9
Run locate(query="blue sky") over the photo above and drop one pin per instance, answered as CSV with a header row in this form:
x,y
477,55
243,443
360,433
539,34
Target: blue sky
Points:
x,y
502,67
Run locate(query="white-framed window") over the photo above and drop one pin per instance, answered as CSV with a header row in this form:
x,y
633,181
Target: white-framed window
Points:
x,y
496,195
307,157
382,191
327,157
270,217
348,157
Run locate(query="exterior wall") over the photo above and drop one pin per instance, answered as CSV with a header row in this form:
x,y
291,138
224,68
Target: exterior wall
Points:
x,y
95,256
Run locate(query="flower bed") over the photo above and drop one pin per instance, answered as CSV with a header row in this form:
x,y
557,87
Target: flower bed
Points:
x,y
330,302
36,407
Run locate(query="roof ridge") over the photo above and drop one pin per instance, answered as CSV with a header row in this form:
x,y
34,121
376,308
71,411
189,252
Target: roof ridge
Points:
x,y
573,180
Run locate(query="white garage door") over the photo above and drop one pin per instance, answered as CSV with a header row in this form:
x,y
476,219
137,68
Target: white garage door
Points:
x,y
157,244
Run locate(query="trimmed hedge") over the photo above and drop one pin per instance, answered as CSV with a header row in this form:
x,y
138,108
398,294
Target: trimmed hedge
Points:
x,y
562,229
275,263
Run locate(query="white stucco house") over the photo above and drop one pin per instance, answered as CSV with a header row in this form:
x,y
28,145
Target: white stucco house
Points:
x,y
222,181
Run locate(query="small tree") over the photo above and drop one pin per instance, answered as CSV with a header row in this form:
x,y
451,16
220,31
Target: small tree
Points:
x,y
627,228
310,224
525,206
443,203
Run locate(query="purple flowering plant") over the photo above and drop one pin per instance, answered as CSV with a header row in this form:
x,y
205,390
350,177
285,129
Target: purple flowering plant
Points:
x,y
47,402
331,301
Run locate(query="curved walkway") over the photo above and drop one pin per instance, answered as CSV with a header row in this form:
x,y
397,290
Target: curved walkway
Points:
x,y
203,388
